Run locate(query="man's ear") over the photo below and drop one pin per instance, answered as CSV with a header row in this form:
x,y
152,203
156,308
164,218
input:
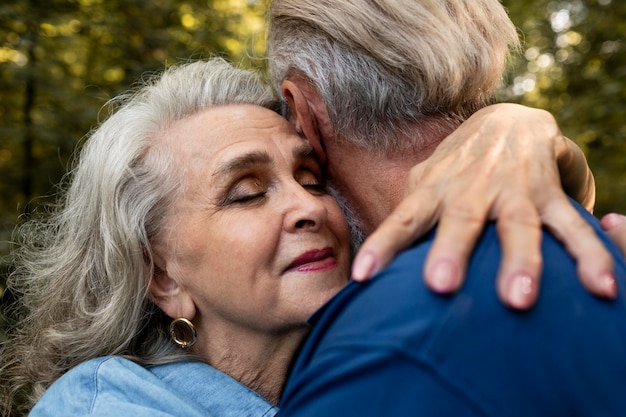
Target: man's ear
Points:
x,y
307,113
168,295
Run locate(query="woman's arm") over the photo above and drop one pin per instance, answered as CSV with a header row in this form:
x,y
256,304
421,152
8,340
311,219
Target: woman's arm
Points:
x,y
510,164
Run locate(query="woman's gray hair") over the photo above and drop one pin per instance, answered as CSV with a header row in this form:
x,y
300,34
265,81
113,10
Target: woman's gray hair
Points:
x,y
82,272
382,65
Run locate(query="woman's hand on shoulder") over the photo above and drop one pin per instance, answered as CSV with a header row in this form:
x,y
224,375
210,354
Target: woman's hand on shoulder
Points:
x,y
510,164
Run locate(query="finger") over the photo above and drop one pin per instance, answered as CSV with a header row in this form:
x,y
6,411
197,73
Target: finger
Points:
x,y
519,232
616,229
612,220
460,225
594,262
414,216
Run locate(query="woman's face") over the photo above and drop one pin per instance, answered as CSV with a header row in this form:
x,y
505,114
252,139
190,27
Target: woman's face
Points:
x,y
252,240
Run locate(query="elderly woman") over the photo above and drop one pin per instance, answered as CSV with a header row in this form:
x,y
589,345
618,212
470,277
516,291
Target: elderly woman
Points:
x,y
196,227
176,277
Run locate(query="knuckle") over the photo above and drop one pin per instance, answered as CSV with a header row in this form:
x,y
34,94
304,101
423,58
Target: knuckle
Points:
x,y
533,260
523,253
575,229
559,210
518,214
402,217
467,212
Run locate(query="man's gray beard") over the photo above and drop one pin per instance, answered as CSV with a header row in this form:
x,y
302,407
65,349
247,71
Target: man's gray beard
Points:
x,y
357,236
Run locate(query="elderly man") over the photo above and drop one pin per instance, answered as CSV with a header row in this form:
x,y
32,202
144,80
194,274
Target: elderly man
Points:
x,y
477,167
413,70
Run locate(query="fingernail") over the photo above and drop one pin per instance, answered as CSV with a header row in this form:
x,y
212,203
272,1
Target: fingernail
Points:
x,y
522,290
608,285
444,276
363,266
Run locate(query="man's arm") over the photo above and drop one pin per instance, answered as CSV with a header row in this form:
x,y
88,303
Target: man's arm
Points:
x,y
507,163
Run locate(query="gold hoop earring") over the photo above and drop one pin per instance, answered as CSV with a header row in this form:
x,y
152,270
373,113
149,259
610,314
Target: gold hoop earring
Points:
x,y
183,333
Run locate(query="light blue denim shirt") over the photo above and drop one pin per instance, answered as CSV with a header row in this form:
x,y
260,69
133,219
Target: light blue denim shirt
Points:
x,y
113,386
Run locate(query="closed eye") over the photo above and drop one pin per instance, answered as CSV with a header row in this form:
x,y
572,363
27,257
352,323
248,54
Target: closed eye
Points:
x,y
316,188
246,190
311,182
247,198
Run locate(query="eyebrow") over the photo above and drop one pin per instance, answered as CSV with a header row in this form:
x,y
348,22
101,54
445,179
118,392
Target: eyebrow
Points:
x,y
303,151
242,162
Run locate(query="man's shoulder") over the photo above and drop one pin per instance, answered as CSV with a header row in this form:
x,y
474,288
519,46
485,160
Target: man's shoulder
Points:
x,y
401,284
470,342
404,305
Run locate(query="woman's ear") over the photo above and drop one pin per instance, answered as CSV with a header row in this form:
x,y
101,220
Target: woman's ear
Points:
x,y
168,294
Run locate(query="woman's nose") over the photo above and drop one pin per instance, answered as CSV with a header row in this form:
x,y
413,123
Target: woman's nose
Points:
x,y
305,211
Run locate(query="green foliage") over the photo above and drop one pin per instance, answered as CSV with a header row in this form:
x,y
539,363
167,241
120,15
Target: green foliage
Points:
x,y
574,65
62,60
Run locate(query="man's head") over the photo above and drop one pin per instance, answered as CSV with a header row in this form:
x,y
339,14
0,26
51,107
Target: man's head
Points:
x,y
382,64
385,77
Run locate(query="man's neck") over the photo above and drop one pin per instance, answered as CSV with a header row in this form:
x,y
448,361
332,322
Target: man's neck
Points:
x,y
372,183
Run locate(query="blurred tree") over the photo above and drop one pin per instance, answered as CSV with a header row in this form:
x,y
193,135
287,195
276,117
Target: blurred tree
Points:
x,y
574,65
61,60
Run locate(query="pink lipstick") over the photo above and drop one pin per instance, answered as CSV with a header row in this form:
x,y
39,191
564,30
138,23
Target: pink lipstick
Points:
x,y
314,261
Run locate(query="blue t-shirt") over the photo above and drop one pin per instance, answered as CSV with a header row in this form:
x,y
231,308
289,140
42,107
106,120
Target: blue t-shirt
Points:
x,y
390,347
112,386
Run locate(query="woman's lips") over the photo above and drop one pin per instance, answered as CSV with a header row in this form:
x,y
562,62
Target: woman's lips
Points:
x,y
314,261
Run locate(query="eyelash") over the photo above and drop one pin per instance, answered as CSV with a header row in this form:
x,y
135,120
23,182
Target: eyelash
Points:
x,y
249,198
317,187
